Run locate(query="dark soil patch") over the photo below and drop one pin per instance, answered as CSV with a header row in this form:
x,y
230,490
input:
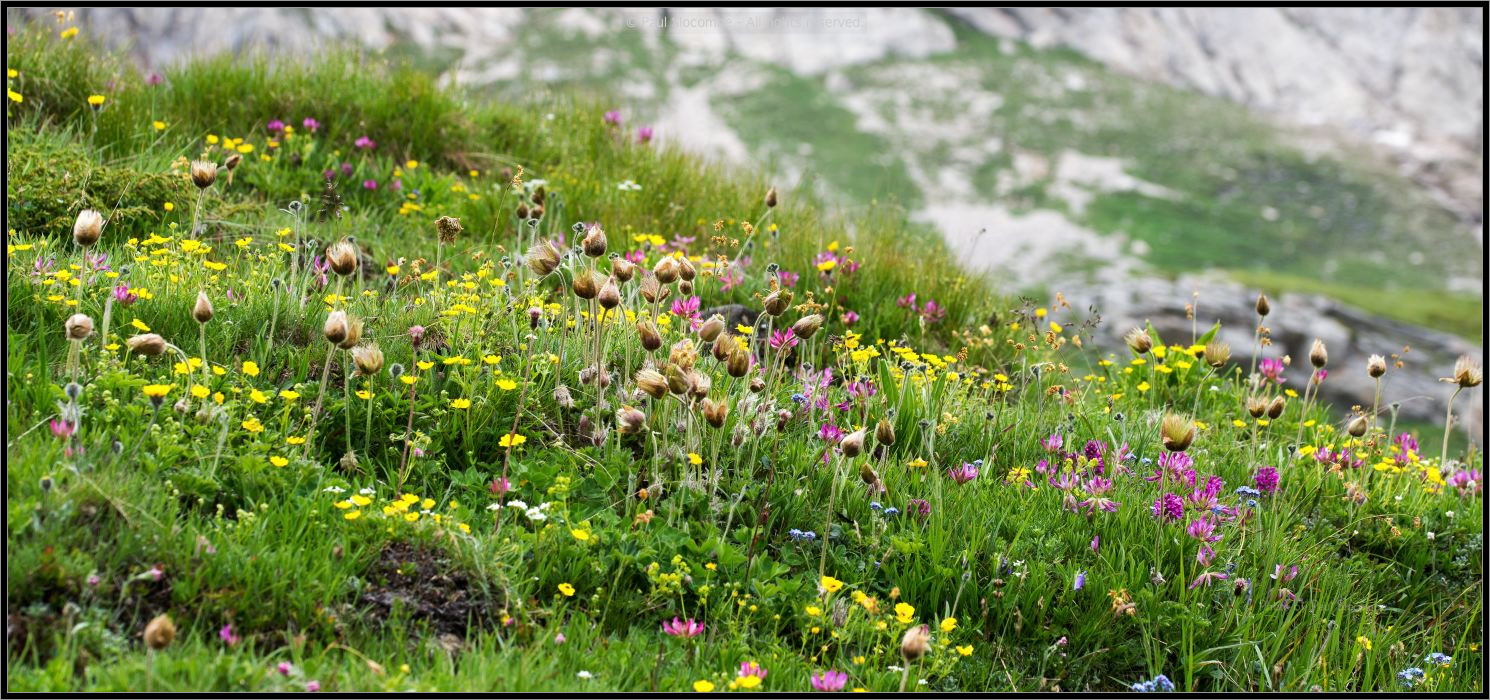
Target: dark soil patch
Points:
x,y
424,585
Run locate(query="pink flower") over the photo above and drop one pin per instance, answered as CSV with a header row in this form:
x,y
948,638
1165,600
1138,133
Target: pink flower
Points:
x,y
154,79
311,125
364,143
123,295
613,117
688,309
369,184
644,134
227,636
783,339
751,668
284,668
683,628
1052,443
62,429
559,638
313,686
1207,579
849,318
500,486
829,681
275,126
788,279
963,474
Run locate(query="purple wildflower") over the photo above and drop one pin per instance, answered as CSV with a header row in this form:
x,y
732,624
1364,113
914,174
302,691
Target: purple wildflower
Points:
x,y
1267,480
829,681
1168,508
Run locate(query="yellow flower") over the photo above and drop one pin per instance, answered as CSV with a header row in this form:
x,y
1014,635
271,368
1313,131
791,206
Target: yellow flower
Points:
x,y
695,459
279,461
748,682
157,391
831,585
460,403
288,395
949,624
581,535
200,391
96,101
294,440
965,650
140,325
251,368
257,396
703,686
424,365
905,613
352,515
364,394
361,500
567,590
1364,641
159,125
14,96
506,384
512,440
253,425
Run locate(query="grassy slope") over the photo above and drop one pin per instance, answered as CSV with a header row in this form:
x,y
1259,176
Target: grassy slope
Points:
x,y
263,547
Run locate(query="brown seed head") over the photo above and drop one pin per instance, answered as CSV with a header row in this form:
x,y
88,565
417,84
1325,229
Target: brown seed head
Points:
x,y
160,632
78,326
202,310
147,344
1177,432
594,242
87,228
203,174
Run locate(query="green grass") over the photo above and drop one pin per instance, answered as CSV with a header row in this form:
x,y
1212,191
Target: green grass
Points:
x,y
1460,314
209,508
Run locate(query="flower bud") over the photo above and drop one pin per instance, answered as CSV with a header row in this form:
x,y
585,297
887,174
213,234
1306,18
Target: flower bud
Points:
x,y
686,271
807,326
1357,426
651,382
594,241
1263,307
368,358
203,174
738,364
915,642
778,302
699,383
651,288
231,163
677,380
683,354
78,326
202,310
623,269
771,198
342,257
584,285
852,444
1256,406
1317,354
88,227
711,328
354,333
160,632
884,432
1467,374
147,344
1177,432
1376,366
1217,353
336,327
724,346
629,420
610,294
715,412
651,340
1275,409
543,258
1139,341
666,270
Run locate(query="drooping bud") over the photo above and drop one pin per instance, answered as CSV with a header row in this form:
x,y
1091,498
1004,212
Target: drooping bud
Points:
x,y
629,420
852,444
147,344
738,364
1139,341
715,412
88,227
651,288
699,383
807,326
1275,409
1263,307
677,380
771,198
686,271
354,333
543,258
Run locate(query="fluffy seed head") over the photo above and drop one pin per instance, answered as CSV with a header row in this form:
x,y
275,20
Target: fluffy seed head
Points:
x,y
915,642
336,328
1467,373
1318,356
368,358
1217,353
448,228
543,258
1376,365
651,382
1139,341
160,632
342,257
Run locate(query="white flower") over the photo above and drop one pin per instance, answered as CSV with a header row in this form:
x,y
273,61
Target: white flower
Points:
x,y
494,506
367,491
585,675
628,186
333,489
536,514
518,503
893,667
